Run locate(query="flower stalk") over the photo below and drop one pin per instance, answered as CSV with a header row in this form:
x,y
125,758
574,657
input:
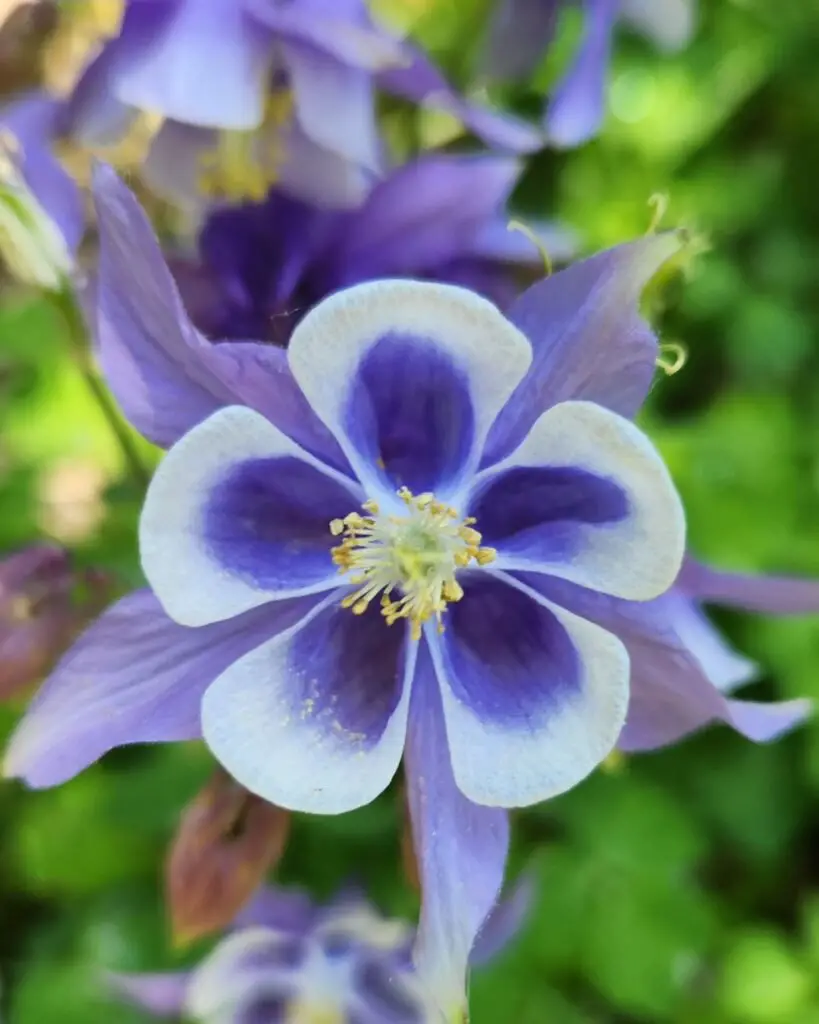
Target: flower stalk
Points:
x,y
65,303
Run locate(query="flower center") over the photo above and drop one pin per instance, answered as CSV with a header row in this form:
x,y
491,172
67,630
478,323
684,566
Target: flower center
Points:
x,y
414,556
244,164
299,1012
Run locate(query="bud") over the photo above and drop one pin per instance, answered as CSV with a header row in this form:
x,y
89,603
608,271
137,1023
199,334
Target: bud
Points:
x,y
227,841
31,244
40,613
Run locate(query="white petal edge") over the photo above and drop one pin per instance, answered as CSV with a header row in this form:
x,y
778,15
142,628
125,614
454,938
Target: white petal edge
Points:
x,y
280,757
329,344
637,558
192,587
499,767
220,982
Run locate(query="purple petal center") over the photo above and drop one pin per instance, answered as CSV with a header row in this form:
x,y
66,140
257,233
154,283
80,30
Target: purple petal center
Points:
x,y
268,521
510,659
347,672
410,412
527,508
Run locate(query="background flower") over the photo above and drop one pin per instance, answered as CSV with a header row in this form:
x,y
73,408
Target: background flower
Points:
x,y
42,608
293,103
681,880
521,31
287,957
441,217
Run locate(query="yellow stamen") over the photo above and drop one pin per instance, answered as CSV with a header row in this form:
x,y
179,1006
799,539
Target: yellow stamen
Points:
x,y
416,555
483,556
244,164
82,27
128,153
304,1012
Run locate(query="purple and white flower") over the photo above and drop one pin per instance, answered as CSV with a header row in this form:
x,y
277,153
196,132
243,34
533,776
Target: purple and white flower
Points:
x,y
287,959
409,378
521,31
521,423
291,99
440,217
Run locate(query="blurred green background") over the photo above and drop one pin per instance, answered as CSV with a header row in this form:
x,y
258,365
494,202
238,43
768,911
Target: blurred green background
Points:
x,y
678,887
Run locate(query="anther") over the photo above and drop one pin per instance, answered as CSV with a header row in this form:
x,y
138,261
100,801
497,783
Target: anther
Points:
x,y
472,537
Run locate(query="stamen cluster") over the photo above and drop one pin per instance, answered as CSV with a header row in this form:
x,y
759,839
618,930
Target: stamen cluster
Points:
x,y
416,555
244,164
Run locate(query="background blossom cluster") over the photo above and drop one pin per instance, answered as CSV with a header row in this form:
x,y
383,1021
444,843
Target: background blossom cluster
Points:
x,y
366,475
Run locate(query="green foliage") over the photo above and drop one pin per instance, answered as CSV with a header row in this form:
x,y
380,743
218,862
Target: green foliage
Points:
x,y
682,888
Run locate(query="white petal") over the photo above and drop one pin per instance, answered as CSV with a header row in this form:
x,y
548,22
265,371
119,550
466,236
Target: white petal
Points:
x,y
328,346
500,761
193,585
315,721
637,556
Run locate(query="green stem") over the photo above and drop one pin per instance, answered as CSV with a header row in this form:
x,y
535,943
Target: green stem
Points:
x,y
66,304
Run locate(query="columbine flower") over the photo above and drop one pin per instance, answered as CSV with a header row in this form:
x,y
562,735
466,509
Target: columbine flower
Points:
x,y
521,30
337,560
440,217
289,960
253,92
41,216
139,676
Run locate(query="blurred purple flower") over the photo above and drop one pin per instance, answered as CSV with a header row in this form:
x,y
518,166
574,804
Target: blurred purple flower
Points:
x,y
292,100
440,217
290,960
521,31
39,615
329,735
